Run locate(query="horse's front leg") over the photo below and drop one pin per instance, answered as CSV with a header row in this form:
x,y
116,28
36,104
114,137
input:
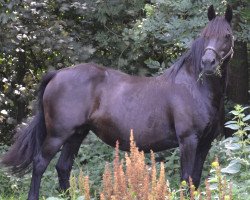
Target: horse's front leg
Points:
x,y
188,146
200,158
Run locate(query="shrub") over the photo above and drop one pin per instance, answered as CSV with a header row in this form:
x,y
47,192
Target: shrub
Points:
x,y
132,179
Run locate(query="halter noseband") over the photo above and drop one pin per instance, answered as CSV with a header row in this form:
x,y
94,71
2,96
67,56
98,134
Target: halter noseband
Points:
x,y
230,52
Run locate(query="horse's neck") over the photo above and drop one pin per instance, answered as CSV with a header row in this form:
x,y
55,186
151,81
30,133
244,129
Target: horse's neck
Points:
x,y
217,87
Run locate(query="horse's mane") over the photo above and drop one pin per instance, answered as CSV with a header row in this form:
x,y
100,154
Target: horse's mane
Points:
x,y
192,56
218,27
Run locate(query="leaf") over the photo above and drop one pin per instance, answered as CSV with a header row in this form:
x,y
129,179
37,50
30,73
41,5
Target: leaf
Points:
x,y
80,198
233,126
53,198
246,118
246,107
152,63
232,146
230,140
163,65
233,167
122,62
234,112
213,186
246,128
230,122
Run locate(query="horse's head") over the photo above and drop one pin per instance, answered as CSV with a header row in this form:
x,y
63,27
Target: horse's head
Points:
x,y
218,41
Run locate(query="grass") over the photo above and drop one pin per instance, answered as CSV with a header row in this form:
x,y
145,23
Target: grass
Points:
x,y
93,166
92,158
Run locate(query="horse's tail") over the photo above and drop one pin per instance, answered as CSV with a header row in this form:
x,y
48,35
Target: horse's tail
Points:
x,y
28,140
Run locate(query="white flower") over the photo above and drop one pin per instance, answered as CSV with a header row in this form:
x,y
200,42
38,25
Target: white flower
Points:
x,y
4,112
16,92
22,88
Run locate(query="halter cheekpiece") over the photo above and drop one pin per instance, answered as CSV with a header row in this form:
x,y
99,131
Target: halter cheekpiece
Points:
x,y
229,53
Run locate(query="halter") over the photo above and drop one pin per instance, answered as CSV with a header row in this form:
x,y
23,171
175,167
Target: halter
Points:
x,y
229,53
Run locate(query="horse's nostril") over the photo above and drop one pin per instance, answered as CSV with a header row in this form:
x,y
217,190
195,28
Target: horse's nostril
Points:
x,y
213,62
202,62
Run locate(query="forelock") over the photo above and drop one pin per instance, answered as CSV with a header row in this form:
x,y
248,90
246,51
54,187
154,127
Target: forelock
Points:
x,y
217,27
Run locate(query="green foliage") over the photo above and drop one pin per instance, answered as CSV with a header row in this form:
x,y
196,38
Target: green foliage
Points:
x,y
237,149
93,155
240,143
134,36
233,154
241,19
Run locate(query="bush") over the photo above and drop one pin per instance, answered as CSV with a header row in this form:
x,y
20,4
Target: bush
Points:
x,y
133,179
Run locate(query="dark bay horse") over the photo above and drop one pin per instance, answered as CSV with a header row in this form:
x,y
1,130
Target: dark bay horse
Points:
x,y
182,107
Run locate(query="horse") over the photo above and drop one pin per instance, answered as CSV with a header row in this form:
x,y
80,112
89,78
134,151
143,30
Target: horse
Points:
x,y
183,107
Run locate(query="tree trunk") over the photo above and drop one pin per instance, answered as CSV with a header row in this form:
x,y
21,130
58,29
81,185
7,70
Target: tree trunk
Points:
x,y
238,75
20,102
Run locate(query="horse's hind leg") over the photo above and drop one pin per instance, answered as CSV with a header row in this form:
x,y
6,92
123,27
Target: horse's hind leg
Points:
x,y
49,148
65,162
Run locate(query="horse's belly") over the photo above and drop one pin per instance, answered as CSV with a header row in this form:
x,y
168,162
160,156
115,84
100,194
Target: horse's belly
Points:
x,y
156,140
151,125
147,138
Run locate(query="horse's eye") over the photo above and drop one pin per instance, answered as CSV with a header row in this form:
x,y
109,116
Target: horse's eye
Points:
x,y
228,36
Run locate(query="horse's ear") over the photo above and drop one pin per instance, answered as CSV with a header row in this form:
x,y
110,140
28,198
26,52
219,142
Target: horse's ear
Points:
x,y
229,13
211,13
